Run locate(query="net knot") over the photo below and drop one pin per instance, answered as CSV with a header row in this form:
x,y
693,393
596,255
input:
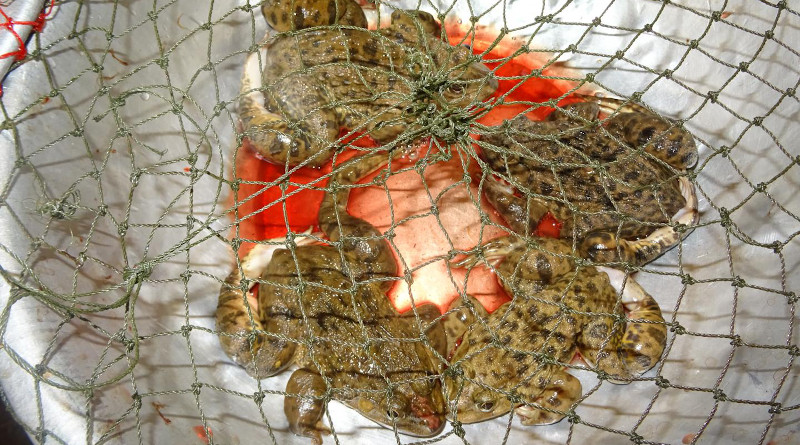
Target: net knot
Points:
x,y
63,208
676,328
661,382
138,273
719,395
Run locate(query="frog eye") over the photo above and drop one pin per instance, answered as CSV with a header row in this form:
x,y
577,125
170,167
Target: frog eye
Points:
x,y
455,88
392,414
485,406
484,402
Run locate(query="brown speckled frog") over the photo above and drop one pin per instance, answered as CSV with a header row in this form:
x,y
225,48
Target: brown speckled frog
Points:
x,y
515,357
325,309
320,78
614,187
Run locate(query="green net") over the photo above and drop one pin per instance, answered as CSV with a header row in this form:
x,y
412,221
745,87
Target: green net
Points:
x,y
124,199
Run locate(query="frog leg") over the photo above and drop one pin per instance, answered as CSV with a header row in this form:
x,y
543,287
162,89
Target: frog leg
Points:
x,y
629,353
368,253
575,112
641,128
603,246
288,15
523,215
242,333
304,404
431,324
459,319
309,141
562,390
540,262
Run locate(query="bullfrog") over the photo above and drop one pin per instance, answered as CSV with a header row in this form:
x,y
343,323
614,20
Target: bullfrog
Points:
x,y
323,307
616,188
515,357
331,73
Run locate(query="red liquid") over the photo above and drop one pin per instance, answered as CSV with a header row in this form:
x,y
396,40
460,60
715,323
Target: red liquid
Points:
x,y
420,237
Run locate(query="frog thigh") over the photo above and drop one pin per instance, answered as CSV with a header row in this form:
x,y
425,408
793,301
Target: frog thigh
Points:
x,y
432,325
604,246
299,134
552,404
459,318
242,334
625,354
304,404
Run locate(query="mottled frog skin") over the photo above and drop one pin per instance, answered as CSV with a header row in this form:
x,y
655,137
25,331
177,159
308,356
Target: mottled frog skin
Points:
x,y
325,309
614,187
320,79
515,357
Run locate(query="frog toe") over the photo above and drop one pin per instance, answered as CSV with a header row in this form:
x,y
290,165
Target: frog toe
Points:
x,y
552,405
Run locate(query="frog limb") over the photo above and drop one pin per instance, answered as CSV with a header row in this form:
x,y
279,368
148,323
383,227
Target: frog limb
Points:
x,y
427,316
643,129
272,136
603,246
244,340
636,349
369,253
561,392
459,319
304,404
522,214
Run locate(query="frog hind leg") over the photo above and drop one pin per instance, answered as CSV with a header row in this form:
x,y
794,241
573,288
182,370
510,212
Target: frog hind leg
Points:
x,y
604,246
310,141
575,112
641,128
304,404
368,253
523,215
242,335
551,404
459,318
288,15
625,354
431,325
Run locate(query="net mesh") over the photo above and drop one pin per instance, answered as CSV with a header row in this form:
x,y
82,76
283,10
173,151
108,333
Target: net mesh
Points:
x,y
122,204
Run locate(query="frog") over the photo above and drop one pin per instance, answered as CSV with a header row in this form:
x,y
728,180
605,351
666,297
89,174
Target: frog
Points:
x,y
516,357
618,187
325,72
323,307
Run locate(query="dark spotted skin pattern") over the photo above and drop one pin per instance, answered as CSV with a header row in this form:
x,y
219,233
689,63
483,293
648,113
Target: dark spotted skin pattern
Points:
x,y
314,82
325,309
613,186
519,351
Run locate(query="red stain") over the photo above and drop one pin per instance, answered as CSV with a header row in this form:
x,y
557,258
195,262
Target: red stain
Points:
x,y
272,199
549,226
201,433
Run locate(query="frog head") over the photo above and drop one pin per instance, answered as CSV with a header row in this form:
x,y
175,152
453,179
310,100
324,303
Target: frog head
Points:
x,y
412,404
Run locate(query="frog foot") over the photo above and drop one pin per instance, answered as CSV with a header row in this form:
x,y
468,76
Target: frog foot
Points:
x,y
561,392
640,345
304,404
607,247
272,136
492,252
641,128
